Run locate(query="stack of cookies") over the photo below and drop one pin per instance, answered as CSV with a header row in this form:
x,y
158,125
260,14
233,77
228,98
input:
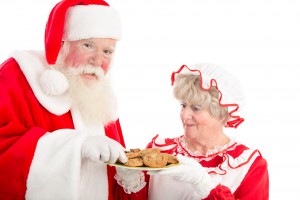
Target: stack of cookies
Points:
x,y
151,157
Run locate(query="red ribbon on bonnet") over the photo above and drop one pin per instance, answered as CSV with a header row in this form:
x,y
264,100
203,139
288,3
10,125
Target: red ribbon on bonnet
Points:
x,y
237,120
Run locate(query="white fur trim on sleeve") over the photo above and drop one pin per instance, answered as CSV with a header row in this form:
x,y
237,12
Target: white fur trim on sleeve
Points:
x,y
55,169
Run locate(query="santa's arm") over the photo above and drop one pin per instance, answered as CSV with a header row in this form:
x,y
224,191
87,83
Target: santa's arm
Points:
x,y
17,146
30,160
18,137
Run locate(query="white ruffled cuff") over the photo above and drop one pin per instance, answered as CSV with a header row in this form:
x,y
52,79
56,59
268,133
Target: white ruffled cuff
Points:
x,y
132,183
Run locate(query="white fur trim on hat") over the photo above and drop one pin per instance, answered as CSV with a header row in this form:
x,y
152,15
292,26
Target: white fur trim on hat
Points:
x,y
92,21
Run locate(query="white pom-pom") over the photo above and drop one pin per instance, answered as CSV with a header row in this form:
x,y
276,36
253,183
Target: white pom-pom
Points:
x,y
53,82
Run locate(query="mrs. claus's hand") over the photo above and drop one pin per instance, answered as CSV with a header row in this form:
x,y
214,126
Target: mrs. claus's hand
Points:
x,y
189,171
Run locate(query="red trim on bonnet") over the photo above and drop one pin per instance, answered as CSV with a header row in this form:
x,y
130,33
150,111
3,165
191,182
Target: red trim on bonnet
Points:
x,y
232,123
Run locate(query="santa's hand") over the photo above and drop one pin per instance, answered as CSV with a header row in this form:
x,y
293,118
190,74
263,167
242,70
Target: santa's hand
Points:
x,y
104,149
190,171
131,180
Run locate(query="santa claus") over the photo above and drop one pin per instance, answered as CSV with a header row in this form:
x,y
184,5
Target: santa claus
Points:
x,y
58,118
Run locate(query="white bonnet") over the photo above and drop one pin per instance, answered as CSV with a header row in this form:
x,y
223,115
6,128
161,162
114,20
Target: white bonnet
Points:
x,y
228,86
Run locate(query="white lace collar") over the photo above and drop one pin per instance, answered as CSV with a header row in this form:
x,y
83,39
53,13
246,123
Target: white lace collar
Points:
x,y
216,150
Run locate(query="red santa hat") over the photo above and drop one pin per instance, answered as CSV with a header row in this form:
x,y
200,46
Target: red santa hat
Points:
x,y
75,20
79,19
231,94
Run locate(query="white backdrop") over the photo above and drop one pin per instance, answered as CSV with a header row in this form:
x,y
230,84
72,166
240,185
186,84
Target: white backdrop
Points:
x,y
258,41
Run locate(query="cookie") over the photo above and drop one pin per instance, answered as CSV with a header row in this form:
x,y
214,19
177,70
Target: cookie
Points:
x,y
151,157
171,159
155,160
134,162
135,150
132,155
147,151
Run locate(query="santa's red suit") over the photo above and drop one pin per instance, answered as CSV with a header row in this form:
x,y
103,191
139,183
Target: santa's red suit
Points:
x,y
40,140
41,134
241,173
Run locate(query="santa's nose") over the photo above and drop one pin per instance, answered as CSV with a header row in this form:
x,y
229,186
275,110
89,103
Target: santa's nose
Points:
x,y
96,60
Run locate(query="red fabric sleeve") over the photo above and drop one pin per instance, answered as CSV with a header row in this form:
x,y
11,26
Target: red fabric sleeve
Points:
x,y
254,186
114,131
15,160
220,193
17,142
22,122
140,195
256,182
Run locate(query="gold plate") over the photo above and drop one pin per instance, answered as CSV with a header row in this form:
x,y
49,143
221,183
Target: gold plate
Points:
x,y
143,168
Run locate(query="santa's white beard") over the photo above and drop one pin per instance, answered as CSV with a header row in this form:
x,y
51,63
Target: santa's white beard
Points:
x,y
94,98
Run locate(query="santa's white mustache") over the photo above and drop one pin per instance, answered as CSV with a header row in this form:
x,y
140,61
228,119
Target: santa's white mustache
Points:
x,y
87,69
